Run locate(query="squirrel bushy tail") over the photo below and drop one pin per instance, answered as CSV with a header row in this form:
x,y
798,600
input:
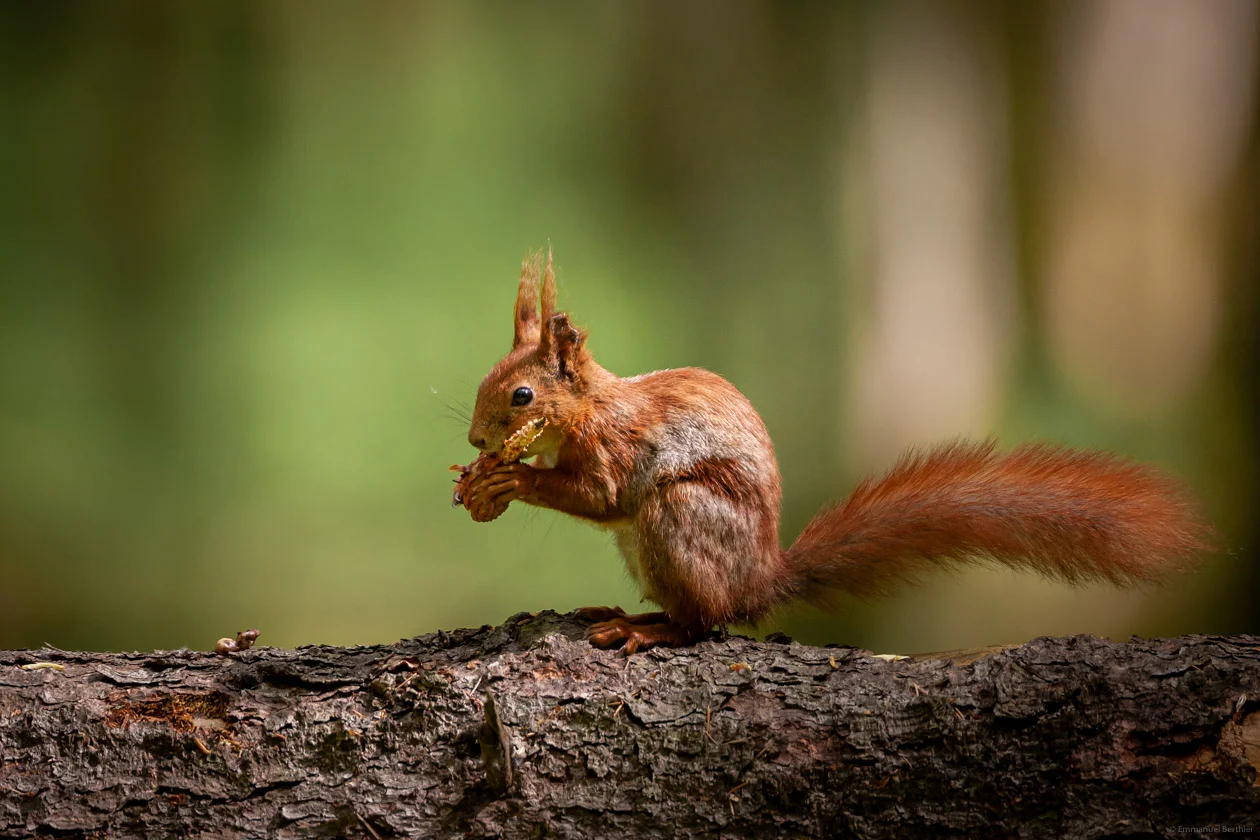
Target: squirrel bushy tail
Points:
x,y
1070,515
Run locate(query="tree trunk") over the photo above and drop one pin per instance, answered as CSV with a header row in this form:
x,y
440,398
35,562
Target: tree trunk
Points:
x,y
525,731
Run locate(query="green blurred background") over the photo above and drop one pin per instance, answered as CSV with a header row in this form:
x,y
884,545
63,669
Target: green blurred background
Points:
x,y
255,258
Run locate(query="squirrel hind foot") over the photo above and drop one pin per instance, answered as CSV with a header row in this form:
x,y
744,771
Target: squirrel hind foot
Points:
x,y
632,637
613,613
599,613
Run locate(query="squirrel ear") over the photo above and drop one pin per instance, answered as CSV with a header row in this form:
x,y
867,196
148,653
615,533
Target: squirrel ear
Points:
x,y
565,341
527,326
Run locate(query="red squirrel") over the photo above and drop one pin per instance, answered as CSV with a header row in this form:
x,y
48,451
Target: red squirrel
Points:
x,y
679,466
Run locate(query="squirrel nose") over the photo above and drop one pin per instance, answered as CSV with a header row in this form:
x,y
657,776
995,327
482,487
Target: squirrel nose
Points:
x,y
477,440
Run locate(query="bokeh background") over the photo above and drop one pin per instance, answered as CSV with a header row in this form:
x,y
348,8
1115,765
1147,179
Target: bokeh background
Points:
x,y
255,258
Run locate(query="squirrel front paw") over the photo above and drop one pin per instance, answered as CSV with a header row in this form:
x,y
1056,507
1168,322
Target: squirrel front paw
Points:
x,y
488,495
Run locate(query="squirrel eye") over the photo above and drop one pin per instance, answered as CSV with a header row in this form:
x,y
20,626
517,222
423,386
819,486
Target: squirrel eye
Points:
x,y
522,396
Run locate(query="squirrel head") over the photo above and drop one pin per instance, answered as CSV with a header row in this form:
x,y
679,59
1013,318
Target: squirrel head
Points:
x,y
545,375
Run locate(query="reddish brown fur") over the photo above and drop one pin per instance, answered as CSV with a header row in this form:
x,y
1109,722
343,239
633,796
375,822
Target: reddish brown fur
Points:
x,y
1071,515
678,465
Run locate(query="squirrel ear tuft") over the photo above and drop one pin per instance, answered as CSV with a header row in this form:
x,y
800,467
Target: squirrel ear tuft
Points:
x,y
548,295
565,342
548,289
527,326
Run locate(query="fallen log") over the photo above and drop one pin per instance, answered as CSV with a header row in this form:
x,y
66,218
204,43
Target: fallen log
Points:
x,y
524,731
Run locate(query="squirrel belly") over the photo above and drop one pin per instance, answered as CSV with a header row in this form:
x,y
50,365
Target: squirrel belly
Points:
x,y
679,466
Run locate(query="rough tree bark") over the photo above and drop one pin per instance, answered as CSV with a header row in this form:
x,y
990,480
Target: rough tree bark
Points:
x,y
524,731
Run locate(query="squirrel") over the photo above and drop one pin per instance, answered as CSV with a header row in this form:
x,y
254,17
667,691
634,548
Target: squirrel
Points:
x,y
678,465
